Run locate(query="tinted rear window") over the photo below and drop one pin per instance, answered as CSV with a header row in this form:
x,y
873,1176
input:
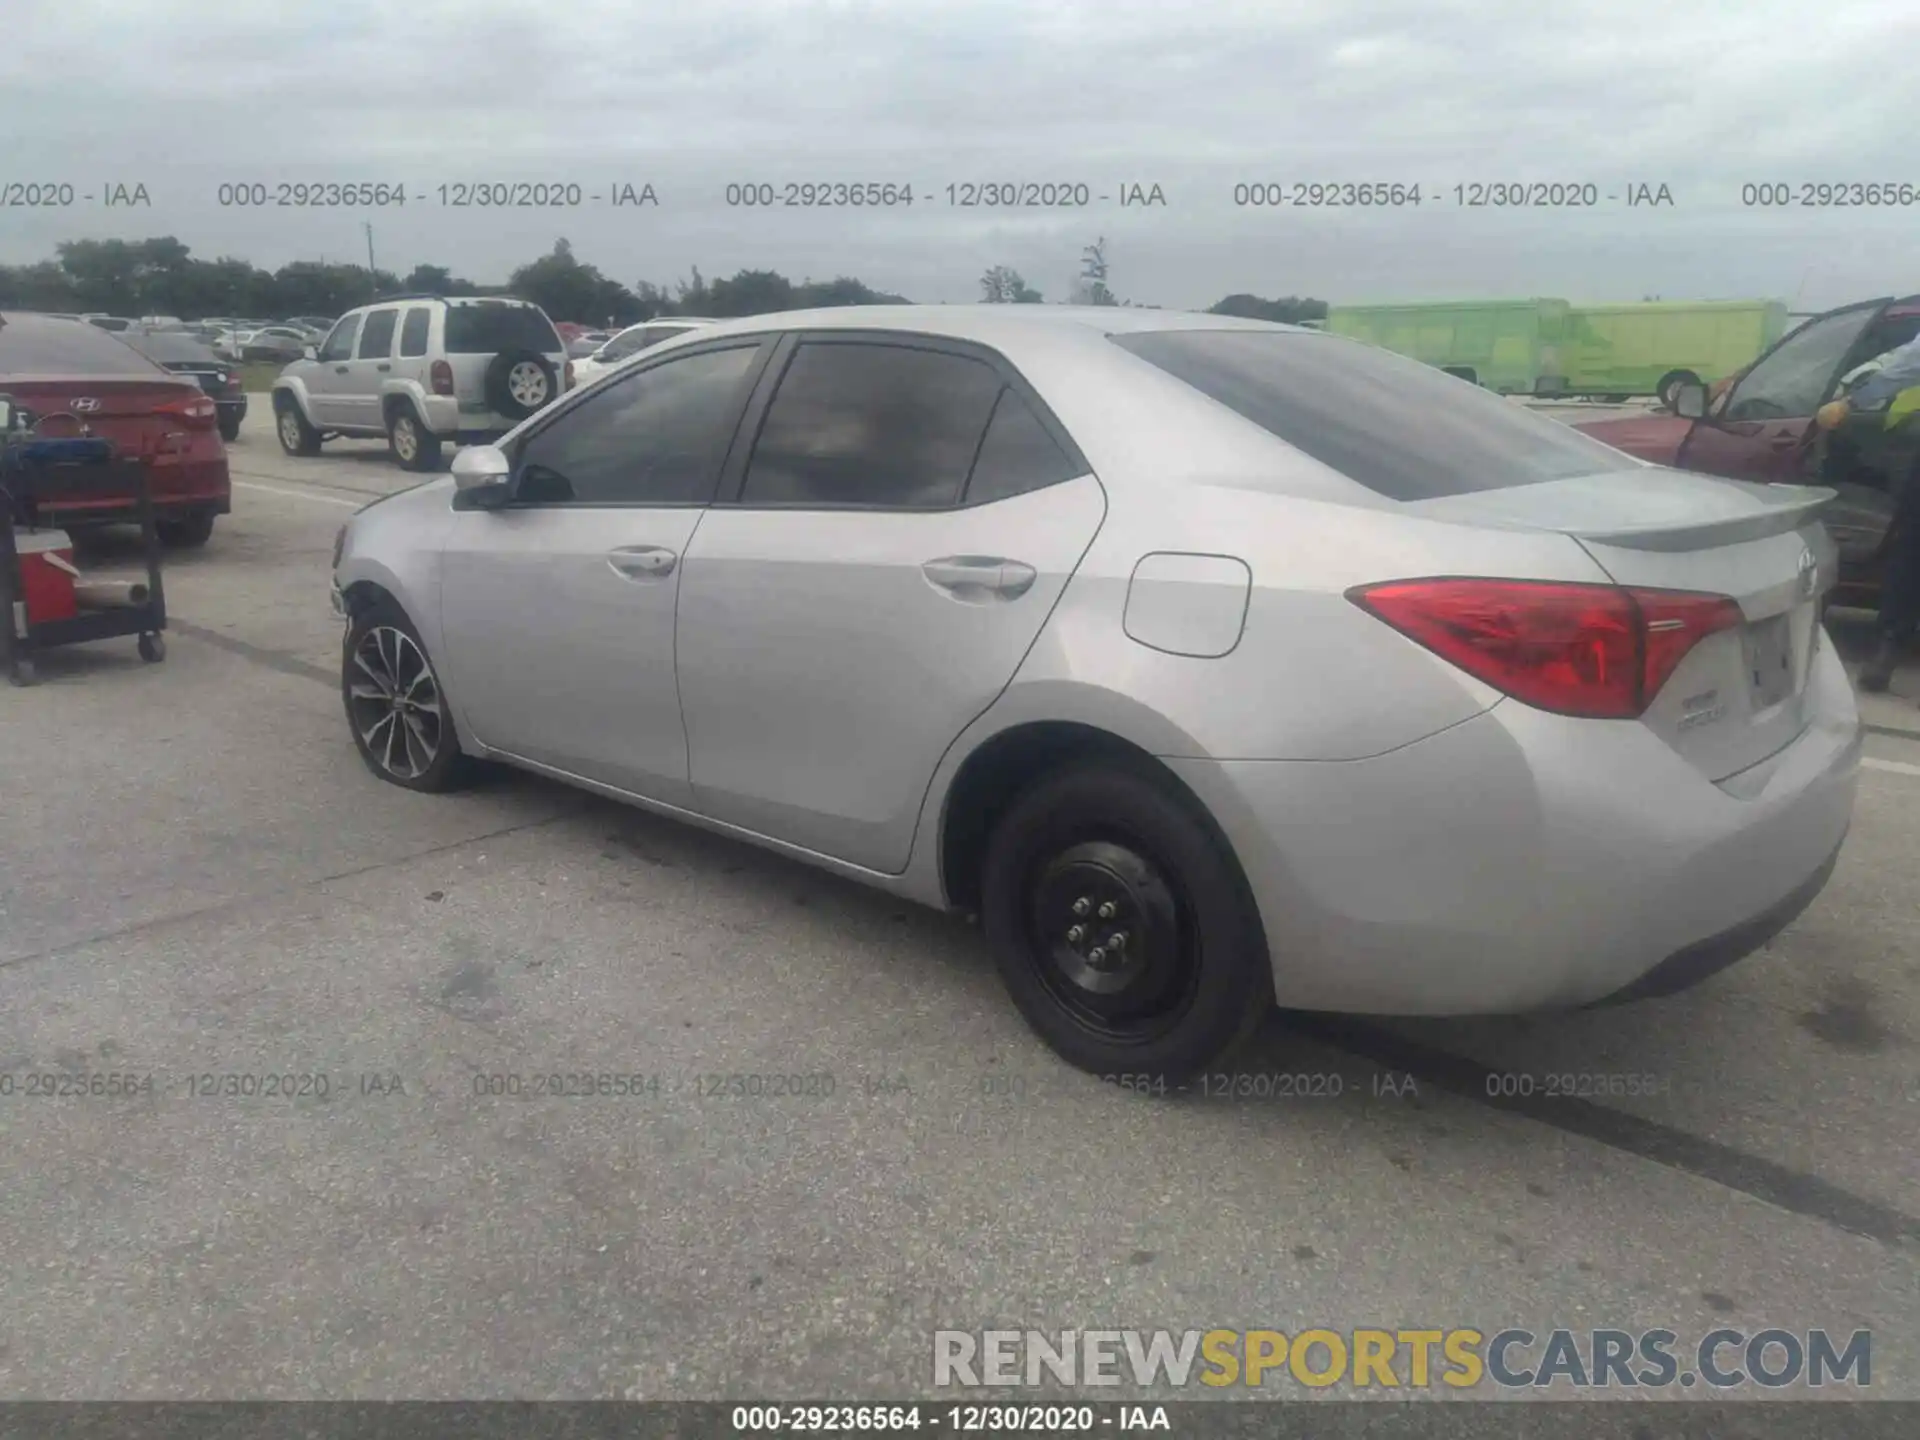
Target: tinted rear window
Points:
x,y
172,349
487,329
1398,427
32,346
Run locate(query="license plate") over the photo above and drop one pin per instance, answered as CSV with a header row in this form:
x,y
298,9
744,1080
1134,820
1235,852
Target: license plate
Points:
x,y
1770,661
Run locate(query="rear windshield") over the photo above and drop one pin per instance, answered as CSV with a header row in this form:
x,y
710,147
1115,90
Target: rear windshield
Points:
x,y
487,329
1398,427
30,345
175,349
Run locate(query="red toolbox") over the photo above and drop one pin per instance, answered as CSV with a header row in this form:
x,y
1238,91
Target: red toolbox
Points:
x,y
46,574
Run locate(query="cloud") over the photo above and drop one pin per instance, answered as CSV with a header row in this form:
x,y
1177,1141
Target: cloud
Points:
x,y
1196,97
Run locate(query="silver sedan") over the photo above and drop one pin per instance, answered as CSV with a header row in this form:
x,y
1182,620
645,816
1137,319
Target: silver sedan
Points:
x,y
1210,663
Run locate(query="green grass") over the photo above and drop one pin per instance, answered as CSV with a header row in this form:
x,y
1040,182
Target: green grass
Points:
x,y
259,374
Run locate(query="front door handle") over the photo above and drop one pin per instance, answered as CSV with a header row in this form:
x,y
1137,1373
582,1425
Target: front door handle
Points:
x,y
642,562
340,369
971,577
383,365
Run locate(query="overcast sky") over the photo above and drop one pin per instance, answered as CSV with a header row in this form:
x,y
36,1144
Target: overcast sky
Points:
x,y
1195,96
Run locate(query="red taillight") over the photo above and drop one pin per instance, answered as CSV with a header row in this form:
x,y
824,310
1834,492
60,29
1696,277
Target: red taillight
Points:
x,y
233,382
441,376
196,412
1598,651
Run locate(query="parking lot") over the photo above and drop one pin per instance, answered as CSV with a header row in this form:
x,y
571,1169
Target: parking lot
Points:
x,y
199,880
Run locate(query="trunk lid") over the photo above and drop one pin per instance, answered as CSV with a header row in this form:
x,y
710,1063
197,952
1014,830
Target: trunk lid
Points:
x,y
125,410
1739,695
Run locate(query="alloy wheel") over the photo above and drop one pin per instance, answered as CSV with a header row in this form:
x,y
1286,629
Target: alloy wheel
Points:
x,y
527,383
289,429
394,700
406,440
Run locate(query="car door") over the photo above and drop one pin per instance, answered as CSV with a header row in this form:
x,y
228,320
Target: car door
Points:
x,y
360,390
327,377
410,355
1762,427
557,610
876,569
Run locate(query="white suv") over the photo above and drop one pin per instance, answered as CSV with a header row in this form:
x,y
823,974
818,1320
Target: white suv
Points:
x,y
423,370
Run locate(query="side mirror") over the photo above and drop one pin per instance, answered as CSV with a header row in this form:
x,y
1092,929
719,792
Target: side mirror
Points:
x,y
309,352
1690,401
482,476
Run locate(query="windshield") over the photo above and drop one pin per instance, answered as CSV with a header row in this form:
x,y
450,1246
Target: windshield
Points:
x,y
486,328
172,349
1400,428
33,345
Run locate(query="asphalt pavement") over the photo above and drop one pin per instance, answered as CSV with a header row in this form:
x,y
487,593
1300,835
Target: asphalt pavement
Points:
x,y
328,1189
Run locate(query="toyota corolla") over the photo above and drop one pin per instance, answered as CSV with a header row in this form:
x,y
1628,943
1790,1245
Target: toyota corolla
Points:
x,y
1210,663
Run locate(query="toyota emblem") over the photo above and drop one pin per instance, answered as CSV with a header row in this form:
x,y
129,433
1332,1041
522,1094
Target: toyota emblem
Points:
x,y
85,405
1809,574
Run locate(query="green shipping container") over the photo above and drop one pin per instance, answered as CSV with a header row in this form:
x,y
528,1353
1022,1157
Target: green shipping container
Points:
x,y
1513,346
1624,350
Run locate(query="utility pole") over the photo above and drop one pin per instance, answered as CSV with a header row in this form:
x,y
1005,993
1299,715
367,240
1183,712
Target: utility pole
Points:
x,y
373,274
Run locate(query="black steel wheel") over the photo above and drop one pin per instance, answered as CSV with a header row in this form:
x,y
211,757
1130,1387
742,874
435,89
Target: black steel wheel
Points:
x,y
398,713
1122,926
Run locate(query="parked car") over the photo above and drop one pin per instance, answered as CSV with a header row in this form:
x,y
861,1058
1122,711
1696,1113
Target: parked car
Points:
x,y
1211,662
630,342
317,324
277,344
423,370
586,342
1759,425
53,367
179,352
114,323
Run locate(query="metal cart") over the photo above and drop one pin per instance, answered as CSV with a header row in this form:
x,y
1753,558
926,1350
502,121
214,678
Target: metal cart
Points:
x,y
32,468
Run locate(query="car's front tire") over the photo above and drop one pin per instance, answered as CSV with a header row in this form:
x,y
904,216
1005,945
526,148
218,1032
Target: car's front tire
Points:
x,y
1122,926
297,437
395,706
412,445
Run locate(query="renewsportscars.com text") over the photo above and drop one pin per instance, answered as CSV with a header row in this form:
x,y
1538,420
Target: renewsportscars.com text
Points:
x,y
1460,1358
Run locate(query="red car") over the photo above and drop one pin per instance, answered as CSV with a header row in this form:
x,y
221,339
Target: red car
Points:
x,y
1759,425
54,367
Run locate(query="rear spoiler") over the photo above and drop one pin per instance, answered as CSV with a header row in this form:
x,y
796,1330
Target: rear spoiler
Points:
x,y
1798,504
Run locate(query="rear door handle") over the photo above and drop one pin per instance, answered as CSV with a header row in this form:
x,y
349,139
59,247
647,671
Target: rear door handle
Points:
x,y
340,369
976,576
383,365
642,562
1786,442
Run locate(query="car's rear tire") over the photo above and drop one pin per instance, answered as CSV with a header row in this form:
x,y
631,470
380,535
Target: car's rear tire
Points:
x,y
187,532
412,744
1110,849
297,437
229,430
411,444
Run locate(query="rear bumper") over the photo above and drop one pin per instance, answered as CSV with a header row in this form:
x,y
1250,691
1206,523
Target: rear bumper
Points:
x,y
202,487
1521,861
446,418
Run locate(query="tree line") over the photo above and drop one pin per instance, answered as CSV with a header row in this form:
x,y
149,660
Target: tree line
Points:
x,y
161,276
